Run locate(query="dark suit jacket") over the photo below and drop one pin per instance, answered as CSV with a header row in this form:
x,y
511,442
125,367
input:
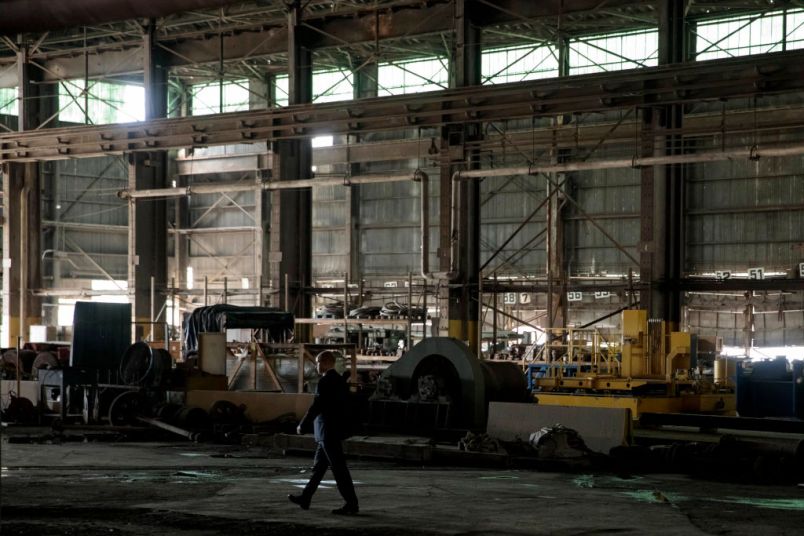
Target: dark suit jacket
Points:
x,y
329,412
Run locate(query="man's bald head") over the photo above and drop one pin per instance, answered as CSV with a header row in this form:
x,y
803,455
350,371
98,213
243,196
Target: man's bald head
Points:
x,y
325,361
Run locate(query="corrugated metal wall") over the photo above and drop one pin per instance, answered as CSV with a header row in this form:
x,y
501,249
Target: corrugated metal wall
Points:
x,y
612,199
390,238
330,231
744,214
505,204
81,192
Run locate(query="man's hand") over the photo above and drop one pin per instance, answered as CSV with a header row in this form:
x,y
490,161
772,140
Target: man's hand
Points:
x,y
298,430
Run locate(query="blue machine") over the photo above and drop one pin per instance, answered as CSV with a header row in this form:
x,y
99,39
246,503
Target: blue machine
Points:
x,y
541,370
772,388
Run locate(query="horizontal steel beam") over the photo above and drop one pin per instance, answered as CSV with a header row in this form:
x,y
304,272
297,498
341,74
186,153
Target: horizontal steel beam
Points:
x,y
224,163
743,153
685,285
39,15
723,79
214,230
328,29
86,227
713,285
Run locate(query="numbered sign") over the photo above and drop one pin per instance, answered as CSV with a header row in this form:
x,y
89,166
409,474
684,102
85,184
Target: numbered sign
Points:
x,y
602,295
524,298
390,284
756,273
509,298
575,296
722,275
801,270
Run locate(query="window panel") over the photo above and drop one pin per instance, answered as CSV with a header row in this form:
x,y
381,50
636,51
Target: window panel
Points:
x,y
8,101
106,102
282,90
614,52
795,29
754,34
330,86
517,64
206,97
417,76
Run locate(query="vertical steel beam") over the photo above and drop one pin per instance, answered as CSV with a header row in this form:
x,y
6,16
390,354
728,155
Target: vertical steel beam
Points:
x,y
461,302
291,210
21,250
147,222
22,226
25,89
38,100
154,74
261,92
648,246
147,245
260,220
262,199
365,86
556,268
662,213
181,241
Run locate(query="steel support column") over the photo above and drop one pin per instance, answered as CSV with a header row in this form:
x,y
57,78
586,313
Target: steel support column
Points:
x,y
365,86
463,299
291,210
38,100
147,239
147,219
22,192
155,77
662,191
556,268
21,251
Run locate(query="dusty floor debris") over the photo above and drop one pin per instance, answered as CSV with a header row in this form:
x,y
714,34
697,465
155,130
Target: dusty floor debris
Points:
x,y
201,489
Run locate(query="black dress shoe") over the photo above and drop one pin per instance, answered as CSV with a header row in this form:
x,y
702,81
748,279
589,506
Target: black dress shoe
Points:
x,y
300,500
346,510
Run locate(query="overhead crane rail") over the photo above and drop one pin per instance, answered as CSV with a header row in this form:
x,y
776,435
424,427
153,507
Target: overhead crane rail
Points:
x,y
652,86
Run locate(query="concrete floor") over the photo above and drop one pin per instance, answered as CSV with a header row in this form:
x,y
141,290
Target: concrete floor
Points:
x,y
200,489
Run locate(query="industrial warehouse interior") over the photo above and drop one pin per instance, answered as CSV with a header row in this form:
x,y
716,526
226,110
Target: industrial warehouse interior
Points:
x,y
536,267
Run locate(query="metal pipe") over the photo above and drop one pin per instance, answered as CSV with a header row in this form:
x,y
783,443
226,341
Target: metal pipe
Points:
x,y
409,341
229,187
192,436
424,219
346,308
153,304
751,153
24,264
19,365
287,295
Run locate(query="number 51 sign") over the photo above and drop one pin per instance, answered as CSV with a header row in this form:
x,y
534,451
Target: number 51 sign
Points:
x,y
756,273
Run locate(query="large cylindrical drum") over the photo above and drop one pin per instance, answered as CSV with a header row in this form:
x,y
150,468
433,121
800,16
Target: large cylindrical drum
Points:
x,y
504,381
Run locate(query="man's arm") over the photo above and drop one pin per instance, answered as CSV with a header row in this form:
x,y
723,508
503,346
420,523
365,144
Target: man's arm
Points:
x,y
322,394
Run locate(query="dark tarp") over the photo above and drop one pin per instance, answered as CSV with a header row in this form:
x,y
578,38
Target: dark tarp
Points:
x,y
101,333
216,318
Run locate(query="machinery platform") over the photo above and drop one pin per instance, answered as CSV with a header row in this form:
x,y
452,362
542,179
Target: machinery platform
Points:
x,y
717,403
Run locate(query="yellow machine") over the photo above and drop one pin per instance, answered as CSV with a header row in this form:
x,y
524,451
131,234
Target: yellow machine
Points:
x,y
648,370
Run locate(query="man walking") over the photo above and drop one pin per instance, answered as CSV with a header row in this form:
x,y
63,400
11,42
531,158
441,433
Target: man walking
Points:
x,y
329,417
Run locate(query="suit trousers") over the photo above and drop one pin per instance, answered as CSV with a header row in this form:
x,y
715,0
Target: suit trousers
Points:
x,y
329,453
